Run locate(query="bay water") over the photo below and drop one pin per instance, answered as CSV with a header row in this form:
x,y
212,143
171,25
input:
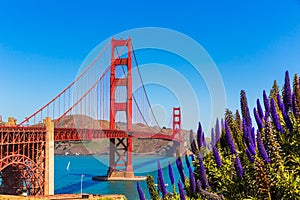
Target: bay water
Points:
x,y
72,172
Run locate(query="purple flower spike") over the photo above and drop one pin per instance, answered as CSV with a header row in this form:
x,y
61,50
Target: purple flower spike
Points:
x,y
217,156
286,117
247,134
248,137
245,109
280,103
238,167
251,149
267,104
180,169
140,191
222,124
192,157
249,155
259,109
181,191
192,180
229,139
203,140
213,138
161,181
187,161
193,143
287,92
171,174
295,106
253,137
258,119
218,131
261,148
199,136
203,177
275,117
199,185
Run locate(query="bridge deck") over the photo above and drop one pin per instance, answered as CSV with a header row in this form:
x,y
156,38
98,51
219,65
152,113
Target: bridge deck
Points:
x,y
73,134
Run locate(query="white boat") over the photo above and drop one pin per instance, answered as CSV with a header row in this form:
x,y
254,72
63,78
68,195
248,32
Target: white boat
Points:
x,y
68,166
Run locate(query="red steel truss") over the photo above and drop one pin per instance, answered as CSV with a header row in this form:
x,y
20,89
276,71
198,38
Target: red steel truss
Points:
x,y
22,160
73,134
121,148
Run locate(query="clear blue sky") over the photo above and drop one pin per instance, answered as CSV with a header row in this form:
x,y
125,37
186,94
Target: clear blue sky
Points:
x,y
42,43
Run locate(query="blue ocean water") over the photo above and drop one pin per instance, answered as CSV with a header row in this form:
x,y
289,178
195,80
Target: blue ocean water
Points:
x,y
69,181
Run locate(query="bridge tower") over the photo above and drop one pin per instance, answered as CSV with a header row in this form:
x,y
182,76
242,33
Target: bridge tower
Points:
x,y
121,148
177,127
176,121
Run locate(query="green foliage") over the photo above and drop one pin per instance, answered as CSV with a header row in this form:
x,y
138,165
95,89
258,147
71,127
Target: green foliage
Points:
x,y
279,179
262,180
274,91
151,188
234,123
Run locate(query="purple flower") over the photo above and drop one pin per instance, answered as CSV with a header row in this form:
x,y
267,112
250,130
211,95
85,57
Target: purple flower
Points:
x,y
267,104
275,117
213,139
222,124
193,143
192,157
229,139
199,185
261,148
248,137
258,119
203,177
187,160
180,169
295,106
245,109
251,149
253,137
218,132
217,156
280,103
287,92
199,136
161,181
203,140
171,174
140,191
259,109
238,167
181,192
192,180
286,117
249,155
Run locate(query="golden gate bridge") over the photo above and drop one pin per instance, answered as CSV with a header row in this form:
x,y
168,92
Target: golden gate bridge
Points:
x,y
27,148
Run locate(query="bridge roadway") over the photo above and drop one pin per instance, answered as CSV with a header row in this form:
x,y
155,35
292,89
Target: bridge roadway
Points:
x,y
73,134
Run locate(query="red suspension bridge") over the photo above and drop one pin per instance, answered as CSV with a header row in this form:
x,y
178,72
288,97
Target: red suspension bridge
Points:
x,y
113,105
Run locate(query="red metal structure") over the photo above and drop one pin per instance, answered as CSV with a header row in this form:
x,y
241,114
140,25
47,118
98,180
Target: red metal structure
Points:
x,y
22,160
92,113
121,148
176,121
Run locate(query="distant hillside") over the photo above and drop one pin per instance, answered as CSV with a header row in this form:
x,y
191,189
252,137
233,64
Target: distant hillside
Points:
x,y
101,146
